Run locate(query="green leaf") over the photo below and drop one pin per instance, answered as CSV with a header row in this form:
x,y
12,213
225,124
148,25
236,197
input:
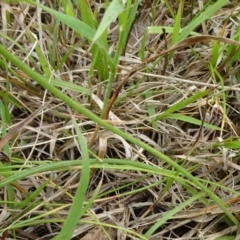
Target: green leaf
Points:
x,y
75,24
181,104
77,209
232,144
171,213
69,86
202,17
150,107
31,197
86,14
177,24
191,120
112,12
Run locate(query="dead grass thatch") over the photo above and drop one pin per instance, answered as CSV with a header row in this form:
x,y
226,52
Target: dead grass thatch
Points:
x,y
51,135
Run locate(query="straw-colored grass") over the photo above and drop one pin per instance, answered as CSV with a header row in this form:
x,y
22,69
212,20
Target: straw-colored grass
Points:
x,y
119,120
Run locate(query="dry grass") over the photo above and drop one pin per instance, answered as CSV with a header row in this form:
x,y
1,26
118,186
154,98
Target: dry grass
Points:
x,y
142,94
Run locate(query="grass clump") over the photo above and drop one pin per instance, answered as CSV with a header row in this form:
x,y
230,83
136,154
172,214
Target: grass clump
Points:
x,y
119,120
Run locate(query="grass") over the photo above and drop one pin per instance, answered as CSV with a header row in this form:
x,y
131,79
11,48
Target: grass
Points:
x,y
119,121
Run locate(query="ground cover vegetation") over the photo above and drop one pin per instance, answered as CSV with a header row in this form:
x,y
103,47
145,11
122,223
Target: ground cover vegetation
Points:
x,y
119,120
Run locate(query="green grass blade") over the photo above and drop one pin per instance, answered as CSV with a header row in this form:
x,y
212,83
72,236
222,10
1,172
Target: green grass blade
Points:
x,y
68,8
230,144
31,197
181,117
69,86
77,25
150,107
171,213
112,12
177,24
202,17
182,104
87,14
77,210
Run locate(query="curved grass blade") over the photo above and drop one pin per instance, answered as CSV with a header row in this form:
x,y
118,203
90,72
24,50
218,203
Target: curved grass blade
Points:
x,y
77,209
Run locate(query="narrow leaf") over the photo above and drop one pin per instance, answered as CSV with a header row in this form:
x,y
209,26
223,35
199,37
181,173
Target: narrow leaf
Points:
x,y
77,209
112,12
182,104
